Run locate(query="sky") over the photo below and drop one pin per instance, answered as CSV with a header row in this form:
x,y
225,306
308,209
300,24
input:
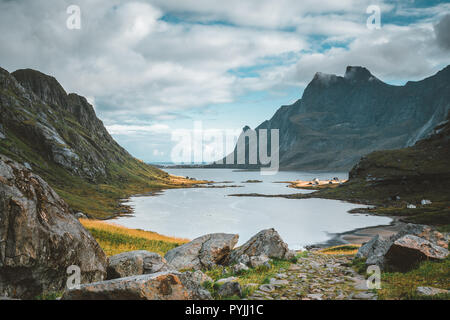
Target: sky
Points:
x,y
150,68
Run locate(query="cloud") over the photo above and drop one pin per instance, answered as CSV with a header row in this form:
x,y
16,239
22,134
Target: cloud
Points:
x,y
120,129
442,31
149,63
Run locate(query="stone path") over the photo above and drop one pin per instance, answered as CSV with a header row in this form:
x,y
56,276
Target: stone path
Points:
x,y
316,277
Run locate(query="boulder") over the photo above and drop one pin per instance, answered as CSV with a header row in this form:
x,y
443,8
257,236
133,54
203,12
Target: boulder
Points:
x,y
239,267
366,248
375,250
406,252
135,263
229,279
39,237
261,260
231,288
266,242
169,285
193,282
244,259
204,252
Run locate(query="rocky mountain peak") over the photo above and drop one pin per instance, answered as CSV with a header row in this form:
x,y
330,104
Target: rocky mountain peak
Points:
x,y
357,73
324,78
44,86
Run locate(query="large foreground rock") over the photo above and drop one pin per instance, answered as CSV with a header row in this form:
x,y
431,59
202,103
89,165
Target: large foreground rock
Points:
x,y
409,250
157,286
135,263
39,237
264,243
376,249
204,252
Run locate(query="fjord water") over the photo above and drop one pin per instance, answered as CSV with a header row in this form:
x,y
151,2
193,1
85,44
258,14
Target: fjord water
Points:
x,y
189,213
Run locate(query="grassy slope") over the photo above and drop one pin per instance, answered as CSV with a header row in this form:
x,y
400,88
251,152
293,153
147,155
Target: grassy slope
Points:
x,y
412,174
400,286
115,239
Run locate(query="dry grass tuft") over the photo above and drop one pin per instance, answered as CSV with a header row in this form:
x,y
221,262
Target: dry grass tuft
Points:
x,y
348,249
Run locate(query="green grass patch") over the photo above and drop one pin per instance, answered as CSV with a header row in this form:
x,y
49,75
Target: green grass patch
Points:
x,y
259,275
398,285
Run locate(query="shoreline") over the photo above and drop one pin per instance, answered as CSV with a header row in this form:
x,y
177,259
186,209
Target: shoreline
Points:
x,y
355,236
361,235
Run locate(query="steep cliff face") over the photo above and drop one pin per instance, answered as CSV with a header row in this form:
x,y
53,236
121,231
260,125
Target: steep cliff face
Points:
x,y
59,136
339,119
63,127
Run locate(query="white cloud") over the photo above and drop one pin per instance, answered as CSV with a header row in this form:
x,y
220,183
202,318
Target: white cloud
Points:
x,y
139,68
121,129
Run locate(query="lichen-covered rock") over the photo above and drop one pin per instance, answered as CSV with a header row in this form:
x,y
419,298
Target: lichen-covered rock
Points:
x,y
204,252
406,252
39,237
266,242
135,263
261,260
239,267
193,282
157,286
230,288
366,248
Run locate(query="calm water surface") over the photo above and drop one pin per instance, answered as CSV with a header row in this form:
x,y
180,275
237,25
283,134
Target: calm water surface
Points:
x,y
189,213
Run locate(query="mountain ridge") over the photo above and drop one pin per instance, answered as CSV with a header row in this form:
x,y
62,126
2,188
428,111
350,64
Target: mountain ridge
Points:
x,y
341,118
59,136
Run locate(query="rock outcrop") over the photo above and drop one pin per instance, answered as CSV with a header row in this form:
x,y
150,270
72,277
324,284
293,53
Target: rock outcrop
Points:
x,y
170,285
204,252
39,237
265,243
135,263
401,251
406,252
230,288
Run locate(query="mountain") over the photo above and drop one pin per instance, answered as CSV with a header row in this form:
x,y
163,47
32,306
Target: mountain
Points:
x,y
59,136
339,119
398,181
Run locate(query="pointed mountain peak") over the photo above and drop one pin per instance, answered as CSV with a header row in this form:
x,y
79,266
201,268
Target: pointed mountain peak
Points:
x,y
358,74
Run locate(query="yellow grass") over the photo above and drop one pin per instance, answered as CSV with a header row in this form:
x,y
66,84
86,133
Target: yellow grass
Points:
x,y
117,229
341,249
115,239
182,181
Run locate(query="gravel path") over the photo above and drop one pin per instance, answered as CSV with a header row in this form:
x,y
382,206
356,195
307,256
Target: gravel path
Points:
x,y
316,277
